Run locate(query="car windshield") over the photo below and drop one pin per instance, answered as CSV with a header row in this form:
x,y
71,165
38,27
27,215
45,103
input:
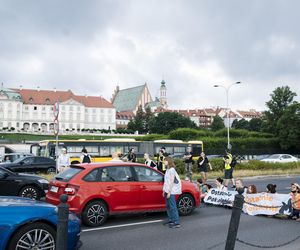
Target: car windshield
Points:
x,y
274,157
68,174
18,160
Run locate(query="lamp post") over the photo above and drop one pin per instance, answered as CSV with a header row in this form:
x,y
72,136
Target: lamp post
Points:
x,y
227,109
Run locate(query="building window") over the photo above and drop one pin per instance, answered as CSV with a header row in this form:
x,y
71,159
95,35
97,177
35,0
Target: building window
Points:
x,y
34,107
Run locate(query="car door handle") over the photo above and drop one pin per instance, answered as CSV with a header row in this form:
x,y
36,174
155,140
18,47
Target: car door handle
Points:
x,y
109,188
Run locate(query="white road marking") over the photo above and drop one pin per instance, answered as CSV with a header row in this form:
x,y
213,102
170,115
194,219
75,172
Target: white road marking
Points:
x,y
124,225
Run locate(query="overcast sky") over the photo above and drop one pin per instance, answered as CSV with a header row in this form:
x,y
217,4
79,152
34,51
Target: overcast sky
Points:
x,y
91,47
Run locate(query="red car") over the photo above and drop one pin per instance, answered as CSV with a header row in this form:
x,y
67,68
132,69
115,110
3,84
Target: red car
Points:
x,y
100,189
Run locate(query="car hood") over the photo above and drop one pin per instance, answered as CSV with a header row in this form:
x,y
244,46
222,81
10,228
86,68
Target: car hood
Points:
x,y
30,176
19,201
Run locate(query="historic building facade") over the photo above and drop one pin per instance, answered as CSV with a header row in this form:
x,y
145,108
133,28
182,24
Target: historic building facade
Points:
x,y
33,110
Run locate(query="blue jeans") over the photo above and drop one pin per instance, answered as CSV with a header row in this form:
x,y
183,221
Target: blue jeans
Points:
x,y
172,211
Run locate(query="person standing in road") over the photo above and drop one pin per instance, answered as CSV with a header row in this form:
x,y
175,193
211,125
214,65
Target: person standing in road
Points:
x,y
115,157
161,162
131,157
171,188
188,162
203,164
85,157
63,161
149,162
228,169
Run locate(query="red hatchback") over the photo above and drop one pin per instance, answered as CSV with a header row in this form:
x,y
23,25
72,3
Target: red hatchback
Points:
x,y
100,189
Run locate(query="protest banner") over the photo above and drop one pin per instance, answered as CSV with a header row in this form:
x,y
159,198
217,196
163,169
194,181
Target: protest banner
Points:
x,y
268,204
219,197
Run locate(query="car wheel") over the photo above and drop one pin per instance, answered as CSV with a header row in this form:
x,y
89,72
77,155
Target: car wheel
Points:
x,y
31,192
185,204
51,170
95,214
33,236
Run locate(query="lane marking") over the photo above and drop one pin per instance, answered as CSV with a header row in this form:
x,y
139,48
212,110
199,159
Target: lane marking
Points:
x,y
124,225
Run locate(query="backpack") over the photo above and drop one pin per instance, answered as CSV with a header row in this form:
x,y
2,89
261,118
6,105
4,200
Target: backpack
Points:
x,y
233,162
86,159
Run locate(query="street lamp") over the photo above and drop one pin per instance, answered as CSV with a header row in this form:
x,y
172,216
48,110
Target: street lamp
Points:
x,y
227,109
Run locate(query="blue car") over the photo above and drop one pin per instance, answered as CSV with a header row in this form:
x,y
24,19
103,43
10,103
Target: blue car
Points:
x,y
30,224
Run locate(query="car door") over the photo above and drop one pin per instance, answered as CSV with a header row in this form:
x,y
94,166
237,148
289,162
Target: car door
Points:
x,y
8,184
26,165
118,187
286,158
151,185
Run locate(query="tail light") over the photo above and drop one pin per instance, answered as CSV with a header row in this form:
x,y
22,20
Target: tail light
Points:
x,y
71,189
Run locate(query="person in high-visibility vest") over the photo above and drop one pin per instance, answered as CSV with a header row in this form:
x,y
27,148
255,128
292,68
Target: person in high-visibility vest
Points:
x,y
295,193
161,162
228,169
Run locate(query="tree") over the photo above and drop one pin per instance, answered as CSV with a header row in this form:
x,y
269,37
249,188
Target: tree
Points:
x,y
288,127
217,123
138,123
165,122
234,123
148,117
255,124
281,98
242,124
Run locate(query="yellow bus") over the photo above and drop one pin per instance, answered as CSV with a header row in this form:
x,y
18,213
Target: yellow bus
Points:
x,y
101,150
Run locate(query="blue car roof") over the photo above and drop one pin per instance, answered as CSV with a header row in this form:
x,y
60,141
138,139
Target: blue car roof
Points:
x,y
20,201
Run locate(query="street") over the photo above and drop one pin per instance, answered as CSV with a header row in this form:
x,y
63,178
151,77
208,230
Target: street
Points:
x,y
205,229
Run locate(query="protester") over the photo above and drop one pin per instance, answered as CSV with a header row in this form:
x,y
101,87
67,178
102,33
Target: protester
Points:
x,y
85,157
252,189
131,155
161,162
171,187
219,184
271,188
149,162
228,169
188,162
239,185
115,157
202,188
203,164
63,161
295,193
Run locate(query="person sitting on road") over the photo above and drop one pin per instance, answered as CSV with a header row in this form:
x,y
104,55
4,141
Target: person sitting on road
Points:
x,y
239,185
219,184
202,188
252,189
271,188
295,193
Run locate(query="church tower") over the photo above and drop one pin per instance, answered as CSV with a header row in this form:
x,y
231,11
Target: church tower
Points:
x,y
163,95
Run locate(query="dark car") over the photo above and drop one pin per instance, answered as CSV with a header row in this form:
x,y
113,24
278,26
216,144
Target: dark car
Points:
x,y
30,224
14,184
32,164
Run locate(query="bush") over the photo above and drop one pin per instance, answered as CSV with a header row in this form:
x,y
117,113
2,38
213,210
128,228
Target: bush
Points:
x,y
260,165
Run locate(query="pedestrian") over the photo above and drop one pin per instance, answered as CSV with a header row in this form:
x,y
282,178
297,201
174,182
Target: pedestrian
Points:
x,y
188,162
63,161
228,169
161,162
171,188
131,155
203,164
85,157
252,189
295,193
219,184
271,189
149,162
115,157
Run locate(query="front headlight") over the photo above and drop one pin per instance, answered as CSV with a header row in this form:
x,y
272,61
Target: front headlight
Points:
x,y
43,181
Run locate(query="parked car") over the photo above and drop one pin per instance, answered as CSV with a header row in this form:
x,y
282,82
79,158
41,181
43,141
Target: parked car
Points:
x,y
32,164
11,157
98,190
24,185
30,224
280,158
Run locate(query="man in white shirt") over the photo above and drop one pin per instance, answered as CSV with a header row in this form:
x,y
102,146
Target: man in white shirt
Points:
x,y
63,160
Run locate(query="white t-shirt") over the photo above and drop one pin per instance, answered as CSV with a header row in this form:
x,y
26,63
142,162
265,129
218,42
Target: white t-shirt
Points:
x,y
169,184
63,160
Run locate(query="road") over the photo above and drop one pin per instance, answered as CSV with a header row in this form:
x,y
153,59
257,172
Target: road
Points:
x,y
205,229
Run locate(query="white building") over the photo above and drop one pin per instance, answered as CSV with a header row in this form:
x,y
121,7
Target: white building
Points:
x,y
32,110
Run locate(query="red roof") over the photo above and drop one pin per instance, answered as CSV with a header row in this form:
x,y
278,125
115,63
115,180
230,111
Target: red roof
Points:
x,y
50,97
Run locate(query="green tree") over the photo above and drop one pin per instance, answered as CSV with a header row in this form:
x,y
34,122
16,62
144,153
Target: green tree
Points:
x,y
255,124
242,124
288,127
148,117
234,123
217,123
281,98
138,123
165,122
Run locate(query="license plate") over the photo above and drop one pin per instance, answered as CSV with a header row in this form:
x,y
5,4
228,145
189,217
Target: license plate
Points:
x,y
54,189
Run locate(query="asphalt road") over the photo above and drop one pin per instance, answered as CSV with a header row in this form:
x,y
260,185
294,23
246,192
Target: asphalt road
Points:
x,y
205,229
